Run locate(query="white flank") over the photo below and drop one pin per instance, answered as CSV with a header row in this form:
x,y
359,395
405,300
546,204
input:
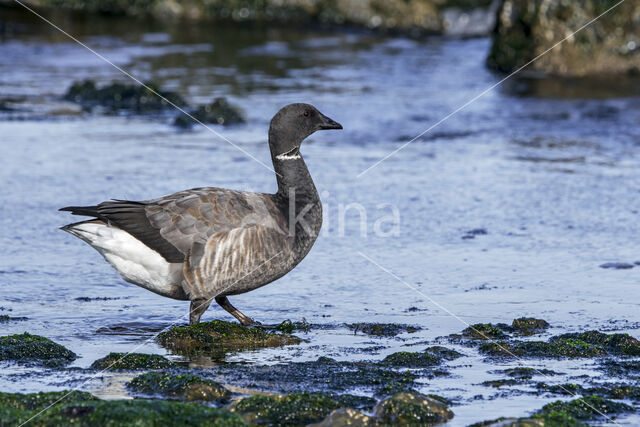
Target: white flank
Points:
x,y
136,263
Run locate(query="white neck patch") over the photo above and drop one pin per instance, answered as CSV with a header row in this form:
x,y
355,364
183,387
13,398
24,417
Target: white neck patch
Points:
x,y
286,156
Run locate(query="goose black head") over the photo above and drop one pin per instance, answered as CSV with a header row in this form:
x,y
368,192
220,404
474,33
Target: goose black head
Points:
x,y
292,124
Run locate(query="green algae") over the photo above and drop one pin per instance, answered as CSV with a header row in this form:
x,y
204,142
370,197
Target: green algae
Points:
x,y
27,348
412,409
582,409
131,361
292,409
382,329
220,112
83,409
117,97
431,356
218,337
346,417
572,345
182,387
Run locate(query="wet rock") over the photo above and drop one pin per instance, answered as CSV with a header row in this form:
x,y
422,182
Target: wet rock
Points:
x,y
584,409
346,417
324,374
486,331
219,112
83,409
181,387
526,28
616,265
292,409
500,383
471,234
131,361
218,337
622,368
412,409
5,318
529,325
382,329
511,422
608,390
431,356
585,344
117,97
27,348
523,373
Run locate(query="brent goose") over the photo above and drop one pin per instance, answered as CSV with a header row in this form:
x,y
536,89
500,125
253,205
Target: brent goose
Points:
x,y
207,243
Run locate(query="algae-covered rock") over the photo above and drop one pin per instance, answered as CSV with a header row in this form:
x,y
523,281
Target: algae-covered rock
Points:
x,y
529,325
524,373
131,361
182,387
622,368
608,390
527,28
117,97
34,349
219,112
85,410
292,409
585,344
346,417
431,356
510,422
486,331
412,409
582,409
218,336
382,329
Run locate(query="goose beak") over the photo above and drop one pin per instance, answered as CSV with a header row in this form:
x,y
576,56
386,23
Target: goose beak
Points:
x,y
328,123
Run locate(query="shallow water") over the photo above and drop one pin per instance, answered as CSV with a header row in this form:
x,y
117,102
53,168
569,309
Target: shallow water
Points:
x,y
551,175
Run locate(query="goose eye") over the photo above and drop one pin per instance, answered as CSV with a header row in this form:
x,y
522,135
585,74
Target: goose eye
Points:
x,y
306,114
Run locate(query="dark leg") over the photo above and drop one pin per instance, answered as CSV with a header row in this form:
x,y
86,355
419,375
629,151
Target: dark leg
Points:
x,y
245,320
197,309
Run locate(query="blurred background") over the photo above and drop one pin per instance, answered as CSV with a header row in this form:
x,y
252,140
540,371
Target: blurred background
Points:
x,y
510,207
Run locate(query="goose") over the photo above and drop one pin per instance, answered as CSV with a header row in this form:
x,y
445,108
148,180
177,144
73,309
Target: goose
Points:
x,y
209,243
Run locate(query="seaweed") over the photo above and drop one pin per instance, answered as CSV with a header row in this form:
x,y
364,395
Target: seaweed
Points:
x,y
131,361
27,348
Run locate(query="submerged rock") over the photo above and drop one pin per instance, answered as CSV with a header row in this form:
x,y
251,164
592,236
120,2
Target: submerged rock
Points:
x,y
382,329
131,361
412,409
117,97
217,337
608,390
292,409
523,373
34,349
527,28
182,387
582,409
83,409
617,265
219,112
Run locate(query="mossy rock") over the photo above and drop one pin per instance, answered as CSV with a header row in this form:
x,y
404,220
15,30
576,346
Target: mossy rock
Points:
x,y
181,387
346,417
117,97
431,356
584,409
219,112
132,361
585,344
511,422
83,409
486,331
218,336
529,325
622,368
27,348
611,391
382,329
292,409
412,409
524,373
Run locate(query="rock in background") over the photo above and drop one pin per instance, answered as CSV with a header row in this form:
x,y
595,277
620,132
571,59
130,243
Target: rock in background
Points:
x,y
526,28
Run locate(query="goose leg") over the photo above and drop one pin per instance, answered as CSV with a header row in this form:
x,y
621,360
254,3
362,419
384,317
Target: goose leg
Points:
x,y
197,309
242,318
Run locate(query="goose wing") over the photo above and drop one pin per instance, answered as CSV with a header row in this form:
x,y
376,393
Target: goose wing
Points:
x,y
181,224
